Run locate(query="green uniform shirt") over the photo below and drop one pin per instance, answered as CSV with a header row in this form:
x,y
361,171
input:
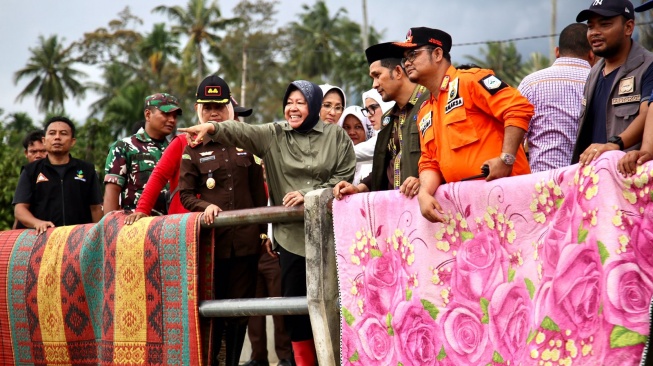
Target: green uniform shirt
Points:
x,y
130,163
293,162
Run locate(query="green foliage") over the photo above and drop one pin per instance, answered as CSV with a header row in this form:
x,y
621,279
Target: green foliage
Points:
x,y
11,160
52,75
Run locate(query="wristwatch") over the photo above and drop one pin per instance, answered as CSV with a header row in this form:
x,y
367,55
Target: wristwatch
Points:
x,y
508,159
617,140
263,236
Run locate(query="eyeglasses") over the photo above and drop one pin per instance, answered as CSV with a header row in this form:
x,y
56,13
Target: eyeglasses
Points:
x,y
370,110
329,107
412,55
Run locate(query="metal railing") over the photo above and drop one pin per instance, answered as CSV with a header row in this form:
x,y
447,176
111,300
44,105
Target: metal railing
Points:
x,y
321,302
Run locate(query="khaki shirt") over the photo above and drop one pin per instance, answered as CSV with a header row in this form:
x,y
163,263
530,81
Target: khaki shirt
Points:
x,y
237,184
293,162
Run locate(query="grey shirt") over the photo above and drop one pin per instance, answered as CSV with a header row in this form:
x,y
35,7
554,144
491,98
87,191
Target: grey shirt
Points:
x,y
293,162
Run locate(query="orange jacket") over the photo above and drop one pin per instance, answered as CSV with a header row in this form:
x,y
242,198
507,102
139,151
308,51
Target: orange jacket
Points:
x,y
465,126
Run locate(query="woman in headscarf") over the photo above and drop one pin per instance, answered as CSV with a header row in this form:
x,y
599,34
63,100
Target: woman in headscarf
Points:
x,y
301,154
374,110
333,103
359,129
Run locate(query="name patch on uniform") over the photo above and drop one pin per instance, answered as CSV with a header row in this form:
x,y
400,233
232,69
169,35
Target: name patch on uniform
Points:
x,y
42,178
624,100
208,158
424,124
244,153
626,85
458,102
492,84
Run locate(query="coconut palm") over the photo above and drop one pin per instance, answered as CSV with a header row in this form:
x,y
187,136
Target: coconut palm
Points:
x,y
53,77
199,21
157,47
501,57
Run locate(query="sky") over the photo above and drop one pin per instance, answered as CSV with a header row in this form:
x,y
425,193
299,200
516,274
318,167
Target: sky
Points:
x,y
22,21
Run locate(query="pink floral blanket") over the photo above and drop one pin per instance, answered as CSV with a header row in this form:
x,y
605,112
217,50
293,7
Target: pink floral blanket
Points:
x,y
553,268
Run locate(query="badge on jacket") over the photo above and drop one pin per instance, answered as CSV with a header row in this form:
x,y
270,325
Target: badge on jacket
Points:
x,y
453,99
42,178
425,123
627,85
492,84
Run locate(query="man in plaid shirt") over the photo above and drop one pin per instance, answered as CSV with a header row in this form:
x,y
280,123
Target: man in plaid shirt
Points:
x,y
557,94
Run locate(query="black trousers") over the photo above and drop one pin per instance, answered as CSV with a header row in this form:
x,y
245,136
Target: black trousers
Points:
x,y
293,283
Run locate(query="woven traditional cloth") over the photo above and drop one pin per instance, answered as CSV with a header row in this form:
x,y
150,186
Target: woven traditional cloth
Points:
x,y
101,294
553,268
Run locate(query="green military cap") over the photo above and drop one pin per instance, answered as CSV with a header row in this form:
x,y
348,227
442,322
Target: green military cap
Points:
x,y
164,102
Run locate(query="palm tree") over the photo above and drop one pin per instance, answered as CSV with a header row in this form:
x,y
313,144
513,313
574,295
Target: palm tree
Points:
x,y
126,107
114,78
198,22
503,59
157,47
53,77
317,38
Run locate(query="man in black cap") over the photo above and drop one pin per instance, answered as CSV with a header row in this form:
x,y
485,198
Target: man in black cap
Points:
x,y
397,149
618,88
472,118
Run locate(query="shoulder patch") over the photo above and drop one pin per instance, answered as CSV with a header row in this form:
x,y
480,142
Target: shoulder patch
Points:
x,y
492,84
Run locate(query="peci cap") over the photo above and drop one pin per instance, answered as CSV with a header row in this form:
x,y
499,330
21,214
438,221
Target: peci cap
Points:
x,y
607,8
164,102
213,89
241,111
382,51
422,36
644,7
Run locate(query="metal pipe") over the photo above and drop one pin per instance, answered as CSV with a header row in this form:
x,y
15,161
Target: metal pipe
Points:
x,y
259,215
254,307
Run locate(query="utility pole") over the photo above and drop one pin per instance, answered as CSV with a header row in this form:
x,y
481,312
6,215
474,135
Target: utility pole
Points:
x,y
552,40
364,33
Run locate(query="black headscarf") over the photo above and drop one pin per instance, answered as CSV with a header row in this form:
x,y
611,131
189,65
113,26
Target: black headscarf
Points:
x,y
313,95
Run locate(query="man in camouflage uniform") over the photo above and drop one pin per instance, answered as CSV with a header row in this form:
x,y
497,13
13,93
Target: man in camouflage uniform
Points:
x,y
131,160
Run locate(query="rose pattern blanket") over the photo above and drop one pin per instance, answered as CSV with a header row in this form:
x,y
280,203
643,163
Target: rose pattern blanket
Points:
x,y
553,268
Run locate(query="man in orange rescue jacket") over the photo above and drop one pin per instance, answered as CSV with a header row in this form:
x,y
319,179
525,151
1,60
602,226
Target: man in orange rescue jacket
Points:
x,y
472,118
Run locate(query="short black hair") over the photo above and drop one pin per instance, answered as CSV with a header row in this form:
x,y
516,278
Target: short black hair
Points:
x,y
390,63
573,41
60,119
32,137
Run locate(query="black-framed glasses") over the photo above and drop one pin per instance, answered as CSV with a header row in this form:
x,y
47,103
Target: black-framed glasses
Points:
x,y
412,55
370,110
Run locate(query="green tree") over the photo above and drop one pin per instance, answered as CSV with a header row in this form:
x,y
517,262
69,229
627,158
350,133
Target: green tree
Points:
x,y
53,76
126,107
158,47
503,59
16,126
11,159
536,62
199,21
316,38
266,78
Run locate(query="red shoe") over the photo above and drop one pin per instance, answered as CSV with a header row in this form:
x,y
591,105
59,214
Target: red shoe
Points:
x,y
305,353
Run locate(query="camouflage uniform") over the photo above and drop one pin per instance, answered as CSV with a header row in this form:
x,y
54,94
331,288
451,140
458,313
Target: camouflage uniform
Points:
x,y
130,163
131,160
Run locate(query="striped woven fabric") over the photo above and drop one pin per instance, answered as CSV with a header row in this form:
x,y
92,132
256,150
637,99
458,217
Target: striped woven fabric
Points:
x,y
101,294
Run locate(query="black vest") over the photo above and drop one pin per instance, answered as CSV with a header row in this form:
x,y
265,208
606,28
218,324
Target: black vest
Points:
x,y
64,201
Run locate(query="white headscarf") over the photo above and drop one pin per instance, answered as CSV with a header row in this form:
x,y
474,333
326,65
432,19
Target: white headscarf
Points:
x,y
328,87
373,94
357,112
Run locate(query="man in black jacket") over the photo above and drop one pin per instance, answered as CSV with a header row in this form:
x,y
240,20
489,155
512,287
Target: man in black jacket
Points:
x,y
59,189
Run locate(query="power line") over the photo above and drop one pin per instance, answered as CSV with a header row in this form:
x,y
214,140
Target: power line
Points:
x,y
524,38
